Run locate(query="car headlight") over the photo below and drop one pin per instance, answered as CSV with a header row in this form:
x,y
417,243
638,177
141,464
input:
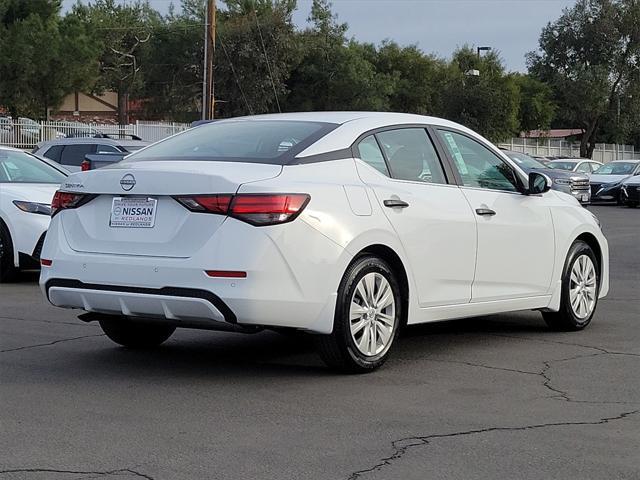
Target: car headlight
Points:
x,y
562,181
33,207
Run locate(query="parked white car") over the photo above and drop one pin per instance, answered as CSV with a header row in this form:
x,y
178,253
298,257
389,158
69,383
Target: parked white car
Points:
x,y
577,165
27,186
347,225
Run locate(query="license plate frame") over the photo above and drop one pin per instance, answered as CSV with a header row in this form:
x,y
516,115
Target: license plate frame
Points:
x,y
133,212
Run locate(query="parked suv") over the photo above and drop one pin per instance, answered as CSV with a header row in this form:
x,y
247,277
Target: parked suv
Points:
x,y
576,184
71,152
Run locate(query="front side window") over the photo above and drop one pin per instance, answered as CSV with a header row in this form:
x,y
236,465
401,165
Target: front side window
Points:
x,y
411,155
478,166
19,167
583,168
369,152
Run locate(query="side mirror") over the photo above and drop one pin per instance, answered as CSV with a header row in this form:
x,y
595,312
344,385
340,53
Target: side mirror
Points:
x,y
538,183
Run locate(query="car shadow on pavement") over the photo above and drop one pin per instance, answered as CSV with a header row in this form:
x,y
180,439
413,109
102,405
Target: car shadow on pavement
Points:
x,y
207,355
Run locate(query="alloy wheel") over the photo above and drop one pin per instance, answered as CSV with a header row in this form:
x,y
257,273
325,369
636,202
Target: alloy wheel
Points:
x,y
582,287
372,315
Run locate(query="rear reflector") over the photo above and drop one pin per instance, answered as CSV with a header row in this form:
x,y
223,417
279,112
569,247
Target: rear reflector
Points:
x,y
225,274
258,209
45,262
66,200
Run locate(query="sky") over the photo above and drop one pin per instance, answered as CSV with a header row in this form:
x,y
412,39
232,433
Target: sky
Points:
x,y
512,27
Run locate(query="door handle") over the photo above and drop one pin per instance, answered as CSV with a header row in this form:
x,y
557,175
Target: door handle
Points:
x,y
395,203
485,211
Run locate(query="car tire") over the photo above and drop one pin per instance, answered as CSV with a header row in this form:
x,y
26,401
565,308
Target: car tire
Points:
x,y
8,270
130,334
580,289
367,318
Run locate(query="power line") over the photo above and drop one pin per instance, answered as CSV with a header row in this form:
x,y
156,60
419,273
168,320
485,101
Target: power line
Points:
x,y
266,57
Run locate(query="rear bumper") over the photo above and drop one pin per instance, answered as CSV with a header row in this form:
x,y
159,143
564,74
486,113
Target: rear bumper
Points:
x,y
286,286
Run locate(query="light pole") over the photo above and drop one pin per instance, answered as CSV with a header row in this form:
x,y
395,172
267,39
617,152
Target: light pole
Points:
x,y
483,49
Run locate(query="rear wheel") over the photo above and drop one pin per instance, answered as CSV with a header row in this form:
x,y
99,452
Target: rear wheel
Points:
x,y
135,334
8,269
367,318
580,288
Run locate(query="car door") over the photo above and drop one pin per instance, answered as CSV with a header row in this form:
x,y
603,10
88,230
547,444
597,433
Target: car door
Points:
x,y
516,246
431,217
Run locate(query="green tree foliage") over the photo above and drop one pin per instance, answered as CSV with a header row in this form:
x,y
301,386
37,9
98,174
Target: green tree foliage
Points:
x,y
588,57
333,73
42,57
536,107
487,102
122,31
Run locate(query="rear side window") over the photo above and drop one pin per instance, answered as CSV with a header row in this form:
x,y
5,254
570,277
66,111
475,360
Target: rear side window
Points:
x,y
106,149
411,155
54,153
257,141
370,152
74,154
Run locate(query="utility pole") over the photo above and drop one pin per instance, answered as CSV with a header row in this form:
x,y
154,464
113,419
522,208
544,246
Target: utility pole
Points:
x,y
208,87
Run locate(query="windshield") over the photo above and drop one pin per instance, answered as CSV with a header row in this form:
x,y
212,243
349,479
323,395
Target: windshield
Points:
x,y
19,167
563,165
616,168
525,161
256,141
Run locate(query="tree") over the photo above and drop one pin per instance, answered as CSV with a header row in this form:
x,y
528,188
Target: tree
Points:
x,y
173,63
487,103
333,73
417,78
588,57
42,58
536,107
122,30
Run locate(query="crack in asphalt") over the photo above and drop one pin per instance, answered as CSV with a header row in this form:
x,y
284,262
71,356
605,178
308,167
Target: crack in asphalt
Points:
x,y
38,320
599,349
55,342
402,445
98,474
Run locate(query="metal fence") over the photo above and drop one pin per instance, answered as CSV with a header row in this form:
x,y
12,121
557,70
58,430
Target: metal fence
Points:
x,y
604,152
26,133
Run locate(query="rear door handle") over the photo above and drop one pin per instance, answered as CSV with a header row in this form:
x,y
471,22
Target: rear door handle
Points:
x,y
395,203
485,211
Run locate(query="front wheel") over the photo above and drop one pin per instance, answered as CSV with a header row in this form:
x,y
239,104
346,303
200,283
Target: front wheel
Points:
x,y
130,334
580,288
8,270
368,314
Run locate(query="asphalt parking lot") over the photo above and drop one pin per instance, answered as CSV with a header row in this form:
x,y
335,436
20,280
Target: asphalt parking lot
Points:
x,y
485,398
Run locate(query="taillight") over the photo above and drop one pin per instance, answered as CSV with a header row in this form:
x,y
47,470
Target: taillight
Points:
x,y
255,208
268,209
67,200
207,203
85,165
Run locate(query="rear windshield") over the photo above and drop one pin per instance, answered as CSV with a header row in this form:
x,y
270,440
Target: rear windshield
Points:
x,y
255,141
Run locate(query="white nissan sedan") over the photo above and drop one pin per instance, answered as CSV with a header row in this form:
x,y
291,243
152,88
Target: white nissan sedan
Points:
x,y
347,225
27,185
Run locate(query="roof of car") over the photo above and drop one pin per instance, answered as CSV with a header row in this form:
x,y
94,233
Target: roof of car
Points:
x,y
344,117
124,142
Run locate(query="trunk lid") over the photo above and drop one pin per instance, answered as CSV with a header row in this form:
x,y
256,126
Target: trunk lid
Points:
x,y
176,232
